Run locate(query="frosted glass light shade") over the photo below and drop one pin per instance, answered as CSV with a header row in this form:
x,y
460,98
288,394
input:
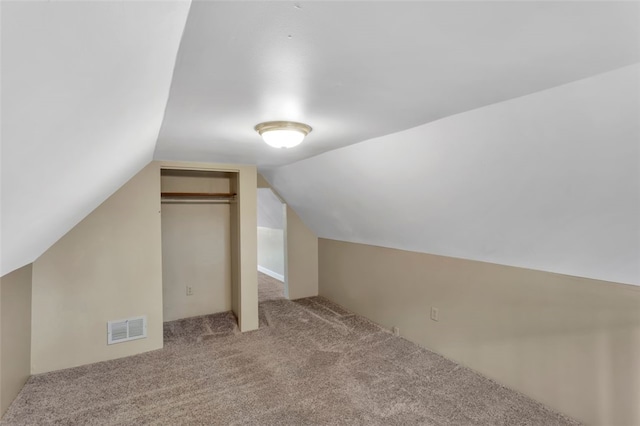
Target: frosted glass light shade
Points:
x,y
283,138
282,134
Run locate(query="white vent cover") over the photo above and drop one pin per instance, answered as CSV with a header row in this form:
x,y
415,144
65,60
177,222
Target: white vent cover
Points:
x,y
126,329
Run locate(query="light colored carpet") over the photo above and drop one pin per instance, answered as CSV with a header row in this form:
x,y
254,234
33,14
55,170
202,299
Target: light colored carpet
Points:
x,y
311,362
269,288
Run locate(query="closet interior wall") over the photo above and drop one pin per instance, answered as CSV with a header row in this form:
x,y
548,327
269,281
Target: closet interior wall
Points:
x,y
197,232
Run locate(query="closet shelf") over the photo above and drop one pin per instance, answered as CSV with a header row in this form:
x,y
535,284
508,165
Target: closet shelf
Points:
x,y
201,195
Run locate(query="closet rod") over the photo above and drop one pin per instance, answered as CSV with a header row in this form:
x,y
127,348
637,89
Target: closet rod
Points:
x,y
205,195
196,201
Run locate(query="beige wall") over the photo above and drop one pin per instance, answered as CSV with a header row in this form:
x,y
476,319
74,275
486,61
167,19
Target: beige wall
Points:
x,y
571,343
15,333
271,251
234,245
243,220
247,206
302,257
196,249
108,267
301,253
2,407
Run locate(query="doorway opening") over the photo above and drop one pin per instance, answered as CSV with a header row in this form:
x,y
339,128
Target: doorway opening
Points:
x,y
272,247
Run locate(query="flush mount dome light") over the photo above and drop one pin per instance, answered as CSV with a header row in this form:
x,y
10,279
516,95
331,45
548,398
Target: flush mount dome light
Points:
x,y
282,134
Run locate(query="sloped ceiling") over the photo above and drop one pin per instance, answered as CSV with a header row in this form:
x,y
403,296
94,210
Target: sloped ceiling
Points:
x,y
549,181
270,213
84,88
357,70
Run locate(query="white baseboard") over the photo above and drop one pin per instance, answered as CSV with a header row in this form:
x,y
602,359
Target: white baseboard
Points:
x,y
272,274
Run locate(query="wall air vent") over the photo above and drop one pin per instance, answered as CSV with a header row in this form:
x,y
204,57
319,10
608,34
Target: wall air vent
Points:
x,y
127,329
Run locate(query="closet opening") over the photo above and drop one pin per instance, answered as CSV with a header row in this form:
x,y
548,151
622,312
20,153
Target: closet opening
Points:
x,y
200,248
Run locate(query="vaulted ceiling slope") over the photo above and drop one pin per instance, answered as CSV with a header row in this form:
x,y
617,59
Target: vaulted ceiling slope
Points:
x,y
357,70
270,210
549,181
84,88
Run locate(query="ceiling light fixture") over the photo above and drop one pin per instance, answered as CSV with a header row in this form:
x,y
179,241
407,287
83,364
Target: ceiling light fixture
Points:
x,y
282,134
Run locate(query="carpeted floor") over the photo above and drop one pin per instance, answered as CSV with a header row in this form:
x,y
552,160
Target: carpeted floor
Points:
x,y
269,288
311,362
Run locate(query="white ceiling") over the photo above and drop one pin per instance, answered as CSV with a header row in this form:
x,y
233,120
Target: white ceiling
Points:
x,y
549,181
85,86
358,70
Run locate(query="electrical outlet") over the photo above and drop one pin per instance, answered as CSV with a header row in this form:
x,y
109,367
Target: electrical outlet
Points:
x,y
189,290
434,314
